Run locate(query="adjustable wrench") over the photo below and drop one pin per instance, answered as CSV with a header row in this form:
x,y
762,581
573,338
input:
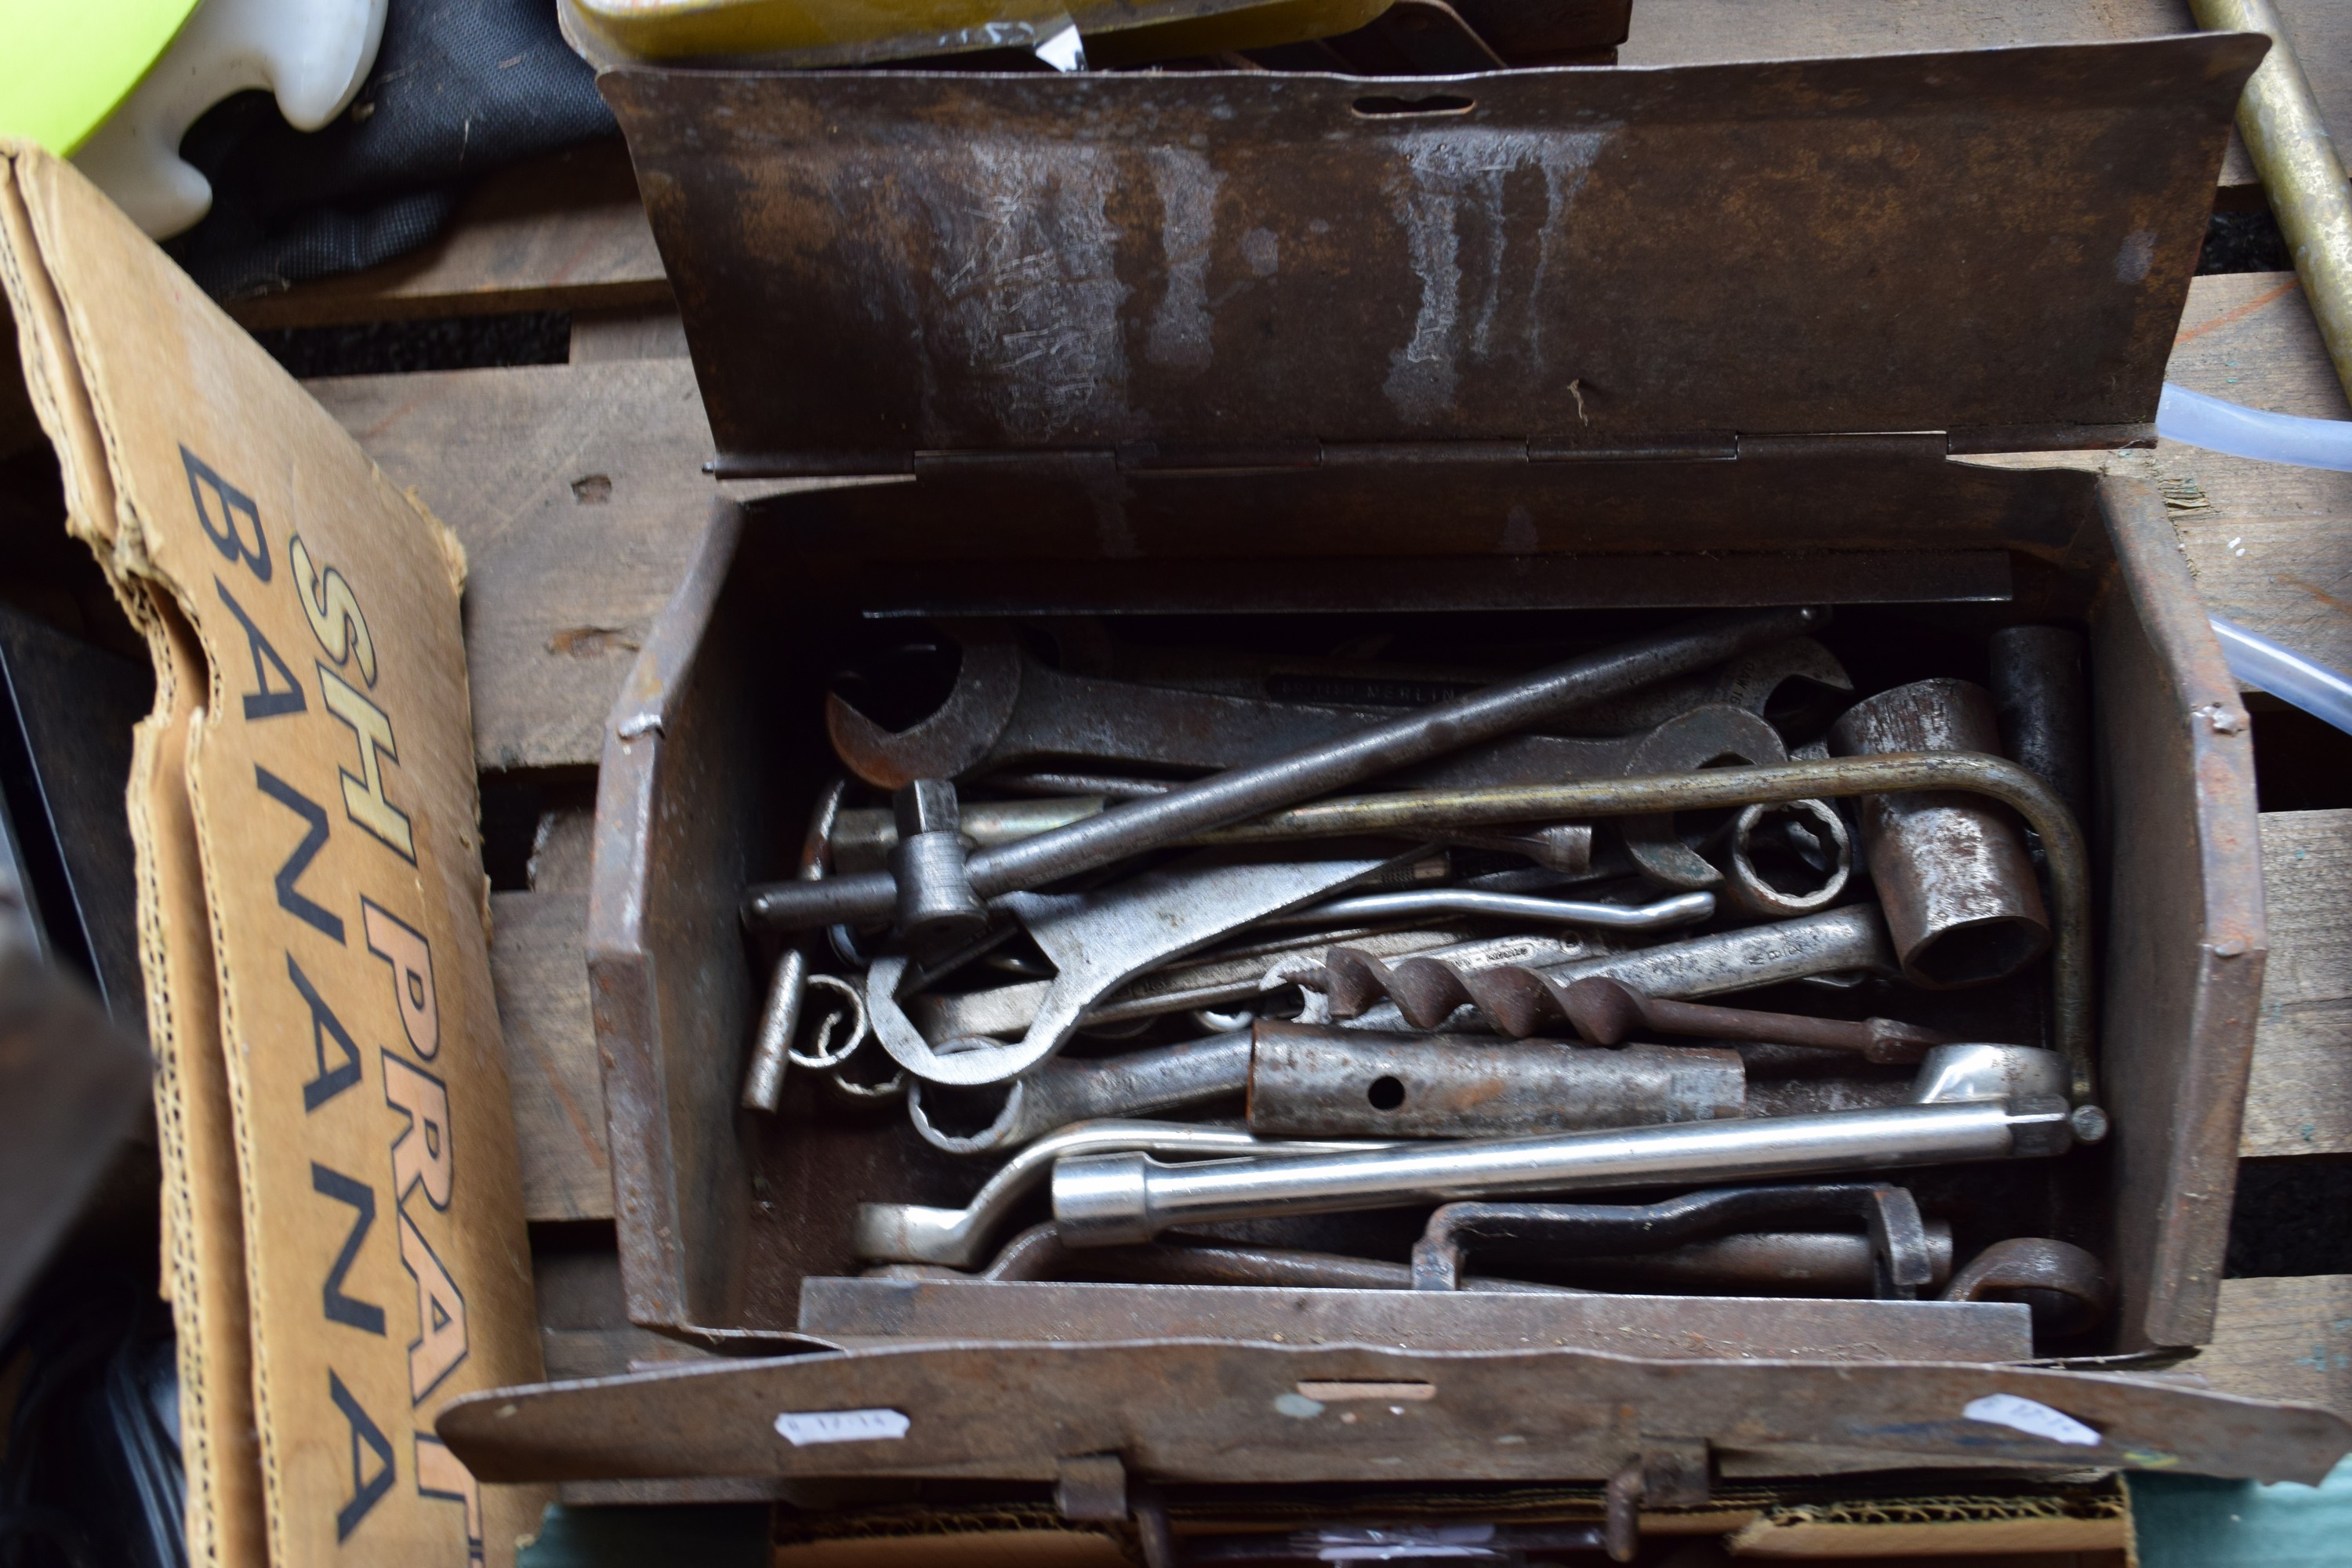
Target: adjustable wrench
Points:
x,y
1008,709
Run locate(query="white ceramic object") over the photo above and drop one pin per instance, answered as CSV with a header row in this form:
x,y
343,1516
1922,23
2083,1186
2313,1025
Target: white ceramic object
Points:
x,y
311,54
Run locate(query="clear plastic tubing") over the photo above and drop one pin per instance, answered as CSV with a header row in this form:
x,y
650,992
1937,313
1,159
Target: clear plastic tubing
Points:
x,y
2322,692
2221,427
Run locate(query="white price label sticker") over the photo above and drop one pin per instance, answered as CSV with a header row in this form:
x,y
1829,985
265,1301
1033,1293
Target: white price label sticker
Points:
x,y
2031,1417
802,1427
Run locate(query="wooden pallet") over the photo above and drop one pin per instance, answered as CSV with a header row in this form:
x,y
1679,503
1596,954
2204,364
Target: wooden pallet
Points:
x,y
577,490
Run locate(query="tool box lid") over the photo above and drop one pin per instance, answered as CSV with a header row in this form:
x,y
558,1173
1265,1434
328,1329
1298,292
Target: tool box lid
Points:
x,y
882,272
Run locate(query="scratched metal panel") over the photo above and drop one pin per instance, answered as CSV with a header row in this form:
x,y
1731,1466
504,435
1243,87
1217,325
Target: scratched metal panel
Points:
x,y
872,264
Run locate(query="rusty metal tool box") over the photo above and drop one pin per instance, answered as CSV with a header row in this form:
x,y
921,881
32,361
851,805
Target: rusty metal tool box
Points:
x,y
1599,341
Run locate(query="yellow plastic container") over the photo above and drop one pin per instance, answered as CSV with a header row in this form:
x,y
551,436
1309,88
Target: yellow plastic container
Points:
x,y
854,31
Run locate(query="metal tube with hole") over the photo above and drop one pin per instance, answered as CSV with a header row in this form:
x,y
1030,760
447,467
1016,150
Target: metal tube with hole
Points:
x,y
1951,871
1315,1082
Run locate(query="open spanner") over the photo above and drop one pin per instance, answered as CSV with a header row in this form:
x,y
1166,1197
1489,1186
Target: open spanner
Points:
x,y
1097,941
1008,709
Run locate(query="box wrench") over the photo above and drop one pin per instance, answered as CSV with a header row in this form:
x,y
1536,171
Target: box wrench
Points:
x,y
959,1238
1098,941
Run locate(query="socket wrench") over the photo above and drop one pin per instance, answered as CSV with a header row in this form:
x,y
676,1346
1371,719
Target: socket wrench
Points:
x,y
1970,1102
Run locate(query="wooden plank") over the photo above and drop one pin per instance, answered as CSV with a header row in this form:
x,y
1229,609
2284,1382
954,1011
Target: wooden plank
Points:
x,y
561,232
1679,32
2300,1098
2269,545
2284,1339
577,490
1682,32
541,981
645,332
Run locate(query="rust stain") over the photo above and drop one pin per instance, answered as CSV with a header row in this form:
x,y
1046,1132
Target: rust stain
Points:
x,y
2330,600
570,1107
399,413
2231,318
591,642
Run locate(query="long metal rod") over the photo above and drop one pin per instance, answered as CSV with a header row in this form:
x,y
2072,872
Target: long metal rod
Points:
x,y
1681,908
2302,173
1239,794
1104,1200
1406,812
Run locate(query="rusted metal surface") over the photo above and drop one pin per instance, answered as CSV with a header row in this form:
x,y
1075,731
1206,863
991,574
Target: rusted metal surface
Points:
x,y
679,1193
2042,691
1798,681
1800,842
1951,872
1758,1263
1230,978
1606,1012
1211,1412
1254,263
1316,1082
1097,943
1903,1257
1710,737
862,1310
1968,1104
779,1015
936,909
2180,988
1166,519
864,837
2186,941
1007,710
1056,1093
1317,767
1518,999
1311,1082
2066,1285
1037,1254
